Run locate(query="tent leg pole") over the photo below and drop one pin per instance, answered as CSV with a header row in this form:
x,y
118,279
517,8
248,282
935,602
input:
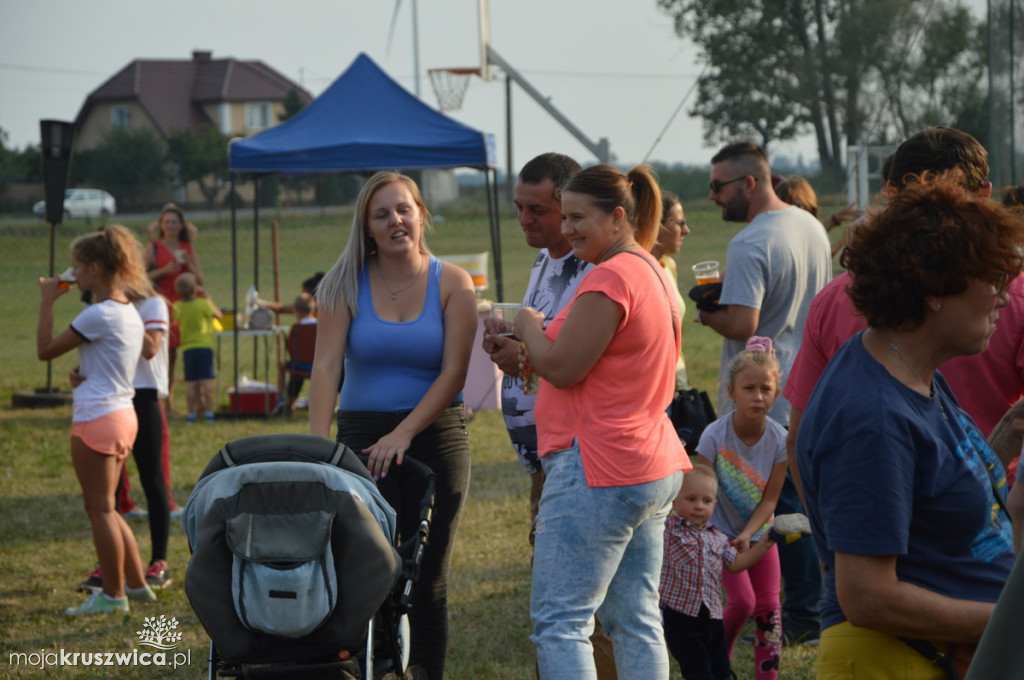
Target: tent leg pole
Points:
x,y
234,290
492,215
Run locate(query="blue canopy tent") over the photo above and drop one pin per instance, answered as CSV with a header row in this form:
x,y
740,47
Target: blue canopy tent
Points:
x,y
363,122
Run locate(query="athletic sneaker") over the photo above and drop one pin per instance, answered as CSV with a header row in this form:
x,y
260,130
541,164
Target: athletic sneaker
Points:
x,y
94,583
176,510
190,418
158,576
143,594
209,415
136,513
98,603
790,528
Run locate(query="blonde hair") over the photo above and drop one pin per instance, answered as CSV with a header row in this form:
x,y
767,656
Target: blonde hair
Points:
x,y
119,254
760,353
702,470
185,285
342,280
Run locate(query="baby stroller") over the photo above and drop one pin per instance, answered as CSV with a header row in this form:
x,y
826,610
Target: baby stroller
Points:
x,y
295,571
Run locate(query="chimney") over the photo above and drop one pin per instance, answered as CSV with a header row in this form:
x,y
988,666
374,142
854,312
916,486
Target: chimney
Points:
x,y
202,56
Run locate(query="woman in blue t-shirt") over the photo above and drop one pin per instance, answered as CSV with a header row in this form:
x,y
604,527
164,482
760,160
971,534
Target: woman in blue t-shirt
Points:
x,y
401,323
906,498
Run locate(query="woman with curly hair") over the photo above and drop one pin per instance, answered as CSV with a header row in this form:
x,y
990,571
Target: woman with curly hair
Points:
x,y
906,498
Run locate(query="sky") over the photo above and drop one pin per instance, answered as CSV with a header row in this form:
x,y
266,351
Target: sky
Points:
x,y
614,68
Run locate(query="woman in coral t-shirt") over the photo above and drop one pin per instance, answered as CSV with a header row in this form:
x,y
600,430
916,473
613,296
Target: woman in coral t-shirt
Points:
x,y
612,458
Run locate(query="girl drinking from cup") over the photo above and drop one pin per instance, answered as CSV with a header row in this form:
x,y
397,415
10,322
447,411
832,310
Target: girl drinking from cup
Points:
x,y
108,335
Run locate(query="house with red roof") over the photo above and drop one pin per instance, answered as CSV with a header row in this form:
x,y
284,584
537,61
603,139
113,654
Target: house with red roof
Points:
x,y
239,97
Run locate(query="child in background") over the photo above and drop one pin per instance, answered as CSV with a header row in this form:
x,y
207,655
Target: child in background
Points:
x,y
747,450
195,317
691,578
308,292
304,308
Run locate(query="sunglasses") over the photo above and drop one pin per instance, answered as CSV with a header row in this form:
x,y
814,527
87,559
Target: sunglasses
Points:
x,y
716,185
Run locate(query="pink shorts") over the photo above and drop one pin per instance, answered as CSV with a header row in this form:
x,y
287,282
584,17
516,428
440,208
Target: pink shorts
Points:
x,y
112,434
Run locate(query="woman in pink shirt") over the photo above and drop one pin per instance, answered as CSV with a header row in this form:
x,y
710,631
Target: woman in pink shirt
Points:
x,y
612,458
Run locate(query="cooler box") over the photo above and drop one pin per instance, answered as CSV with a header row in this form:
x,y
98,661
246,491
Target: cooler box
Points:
x,y
255,398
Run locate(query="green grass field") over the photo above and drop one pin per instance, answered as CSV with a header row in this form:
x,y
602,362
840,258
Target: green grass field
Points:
x,y
45,542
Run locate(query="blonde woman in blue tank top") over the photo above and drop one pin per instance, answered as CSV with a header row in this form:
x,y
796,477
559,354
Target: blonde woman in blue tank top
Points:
x,y
401,324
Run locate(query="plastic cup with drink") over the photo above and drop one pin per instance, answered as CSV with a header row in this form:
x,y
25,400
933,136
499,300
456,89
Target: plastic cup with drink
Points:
x,y
504,316
66,279
706,272
528,374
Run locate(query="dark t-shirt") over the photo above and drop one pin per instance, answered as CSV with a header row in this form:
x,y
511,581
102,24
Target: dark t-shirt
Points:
x,y
888,471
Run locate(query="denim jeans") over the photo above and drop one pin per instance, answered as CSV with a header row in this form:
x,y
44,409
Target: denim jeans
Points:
x,y
801,574
598,551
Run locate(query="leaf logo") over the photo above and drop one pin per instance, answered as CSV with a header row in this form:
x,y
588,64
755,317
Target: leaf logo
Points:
x,y
159,632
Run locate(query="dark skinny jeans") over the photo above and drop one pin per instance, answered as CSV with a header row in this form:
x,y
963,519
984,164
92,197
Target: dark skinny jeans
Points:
x,y
444,448
146,451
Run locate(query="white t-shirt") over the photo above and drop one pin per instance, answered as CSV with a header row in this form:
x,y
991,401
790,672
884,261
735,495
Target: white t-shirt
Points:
x,y
108,359
553,284
152,373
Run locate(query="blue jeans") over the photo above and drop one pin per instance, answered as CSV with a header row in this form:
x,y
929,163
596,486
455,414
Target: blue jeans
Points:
x,y
598,550
801,574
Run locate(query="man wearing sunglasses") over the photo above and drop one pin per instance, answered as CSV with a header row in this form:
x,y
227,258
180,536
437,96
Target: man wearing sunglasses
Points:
x,y
774,266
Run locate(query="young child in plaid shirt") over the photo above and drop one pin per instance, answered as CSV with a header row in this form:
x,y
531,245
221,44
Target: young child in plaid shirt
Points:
x,y
691,578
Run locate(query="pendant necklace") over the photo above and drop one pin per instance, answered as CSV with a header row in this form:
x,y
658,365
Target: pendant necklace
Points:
x,y
394,293
899,353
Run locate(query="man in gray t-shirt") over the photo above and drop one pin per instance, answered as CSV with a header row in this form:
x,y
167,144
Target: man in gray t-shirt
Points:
x,y
774,267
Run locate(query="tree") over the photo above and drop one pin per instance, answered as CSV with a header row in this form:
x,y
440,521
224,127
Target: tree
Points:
x,y
128,163
200,156
18,165
851,71
296,183
292,104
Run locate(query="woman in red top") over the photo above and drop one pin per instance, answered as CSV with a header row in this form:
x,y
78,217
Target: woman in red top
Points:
x,y
169,256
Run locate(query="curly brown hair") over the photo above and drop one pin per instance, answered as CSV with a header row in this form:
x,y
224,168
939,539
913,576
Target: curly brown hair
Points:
x,y
930,239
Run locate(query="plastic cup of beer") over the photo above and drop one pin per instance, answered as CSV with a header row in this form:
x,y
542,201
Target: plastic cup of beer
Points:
x,y
66,279
706,272
504,316
528,374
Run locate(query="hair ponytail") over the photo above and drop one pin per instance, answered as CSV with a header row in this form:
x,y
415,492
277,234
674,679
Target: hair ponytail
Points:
x,y
119,254
647,201
636,193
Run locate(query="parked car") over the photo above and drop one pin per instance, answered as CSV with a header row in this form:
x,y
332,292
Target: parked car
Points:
x,y
82,203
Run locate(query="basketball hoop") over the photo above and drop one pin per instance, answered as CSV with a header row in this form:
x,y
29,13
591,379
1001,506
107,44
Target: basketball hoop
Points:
x,y
450,86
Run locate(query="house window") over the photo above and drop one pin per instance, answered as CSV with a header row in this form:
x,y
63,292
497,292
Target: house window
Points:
x,y
257,115
120,117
